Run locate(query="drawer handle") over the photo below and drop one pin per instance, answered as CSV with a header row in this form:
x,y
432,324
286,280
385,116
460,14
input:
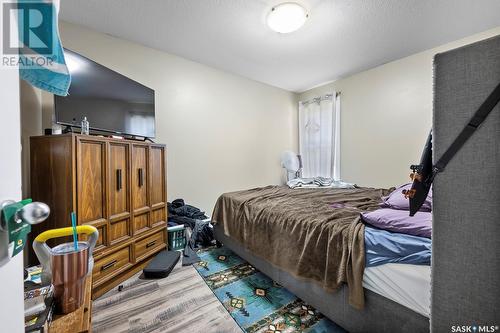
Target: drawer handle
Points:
x,y
141,176
148,245
108,265
118,179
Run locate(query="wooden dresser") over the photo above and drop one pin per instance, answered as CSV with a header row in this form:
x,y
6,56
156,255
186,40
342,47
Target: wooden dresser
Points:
x,y
118,186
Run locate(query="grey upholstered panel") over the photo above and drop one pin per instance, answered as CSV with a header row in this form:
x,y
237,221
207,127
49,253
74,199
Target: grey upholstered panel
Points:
x,y
466,200
380,314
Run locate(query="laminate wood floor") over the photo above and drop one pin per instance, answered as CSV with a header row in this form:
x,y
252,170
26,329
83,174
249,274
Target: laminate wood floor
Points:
x,y
182,302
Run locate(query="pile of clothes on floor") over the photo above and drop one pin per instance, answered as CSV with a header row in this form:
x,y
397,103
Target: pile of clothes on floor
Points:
x,y
199,231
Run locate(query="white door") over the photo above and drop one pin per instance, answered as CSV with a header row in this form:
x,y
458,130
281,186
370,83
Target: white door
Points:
x,y
11,274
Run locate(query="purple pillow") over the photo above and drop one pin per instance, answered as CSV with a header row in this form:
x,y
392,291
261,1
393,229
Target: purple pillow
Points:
x,y
397,200
399,221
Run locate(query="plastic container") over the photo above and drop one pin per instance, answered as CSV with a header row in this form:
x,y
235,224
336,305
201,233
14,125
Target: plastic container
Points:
x,y
176,237
85,126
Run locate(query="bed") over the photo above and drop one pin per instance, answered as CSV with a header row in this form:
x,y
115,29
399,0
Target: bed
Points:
x,y
311,241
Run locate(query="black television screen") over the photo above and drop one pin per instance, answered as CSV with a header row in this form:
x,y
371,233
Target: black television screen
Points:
x,y
110,101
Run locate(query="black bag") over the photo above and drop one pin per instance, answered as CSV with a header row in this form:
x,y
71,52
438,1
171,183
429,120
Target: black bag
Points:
x,y
161,265
424,173
421,177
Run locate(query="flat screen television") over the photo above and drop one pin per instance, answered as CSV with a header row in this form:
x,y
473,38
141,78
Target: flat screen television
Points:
x,y
111,102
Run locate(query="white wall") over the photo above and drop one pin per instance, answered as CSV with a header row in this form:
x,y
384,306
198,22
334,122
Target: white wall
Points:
x,y
386,116
223,132
31,120
11,274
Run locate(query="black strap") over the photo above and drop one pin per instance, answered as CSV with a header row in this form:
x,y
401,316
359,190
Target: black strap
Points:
x,y
478,118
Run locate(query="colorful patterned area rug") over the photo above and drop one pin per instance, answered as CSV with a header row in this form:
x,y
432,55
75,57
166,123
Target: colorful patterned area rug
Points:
x,y
257,303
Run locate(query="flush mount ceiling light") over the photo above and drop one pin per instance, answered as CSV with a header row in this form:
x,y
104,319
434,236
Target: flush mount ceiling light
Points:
x,y
287,17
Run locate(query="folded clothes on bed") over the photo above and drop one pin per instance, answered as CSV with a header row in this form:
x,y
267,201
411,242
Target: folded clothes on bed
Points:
x,y
318,182
382,247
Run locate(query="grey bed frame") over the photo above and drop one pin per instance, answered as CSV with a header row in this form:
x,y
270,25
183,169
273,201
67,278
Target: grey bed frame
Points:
x,y
379,315
466,197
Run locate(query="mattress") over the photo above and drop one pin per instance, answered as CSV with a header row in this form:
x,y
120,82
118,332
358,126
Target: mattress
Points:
x,y
406,284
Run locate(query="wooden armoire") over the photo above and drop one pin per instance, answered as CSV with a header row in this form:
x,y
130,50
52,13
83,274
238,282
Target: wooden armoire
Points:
x,y
116,185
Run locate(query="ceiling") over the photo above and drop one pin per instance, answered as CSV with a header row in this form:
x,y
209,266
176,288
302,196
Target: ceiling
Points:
x,y
340,38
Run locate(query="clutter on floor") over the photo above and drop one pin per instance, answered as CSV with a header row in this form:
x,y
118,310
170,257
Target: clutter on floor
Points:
x,y
161,265
38,301
198,230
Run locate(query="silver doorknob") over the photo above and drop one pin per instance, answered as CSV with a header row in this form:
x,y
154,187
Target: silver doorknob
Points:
x,y
33,213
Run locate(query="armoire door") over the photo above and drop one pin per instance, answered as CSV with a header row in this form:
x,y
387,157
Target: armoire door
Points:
x,y
140,188
119,192
91,186
158,195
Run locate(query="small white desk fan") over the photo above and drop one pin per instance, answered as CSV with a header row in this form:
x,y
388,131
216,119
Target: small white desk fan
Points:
x,y
292,163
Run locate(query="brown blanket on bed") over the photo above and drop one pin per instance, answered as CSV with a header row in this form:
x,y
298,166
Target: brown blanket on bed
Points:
x,y
314,234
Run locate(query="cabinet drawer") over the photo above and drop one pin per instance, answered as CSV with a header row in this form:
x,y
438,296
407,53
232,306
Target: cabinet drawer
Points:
x,y
112,263
150,244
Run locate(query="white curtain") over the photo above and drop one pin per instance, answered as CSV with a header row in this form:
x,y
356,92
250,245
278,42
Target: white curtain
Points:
x,y
319,136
